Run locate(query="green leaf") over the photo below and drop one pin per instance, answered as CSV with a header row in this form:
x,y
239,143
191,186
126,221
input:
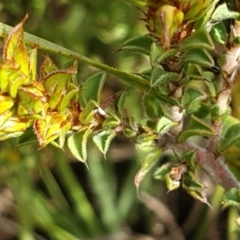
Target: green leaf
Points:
x,y
138,45
229,122
196,127
62,135
191,183
86,116
198,56
164,124
192,98
146,164
77,144
152,106
193,71
92,88
219,33
158,55
193,187
171,183
189,158
111,121
103,140
67,98
200,39
223,12
232,198
199,195
121,104
146,74
236,40
161,172
159,76
231,137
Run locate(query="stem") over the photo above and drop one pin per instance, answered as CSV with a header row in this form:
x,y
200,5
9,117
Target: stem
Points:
x,y
213,165
81,204
208,216
164,215
104,192
42,44
232,231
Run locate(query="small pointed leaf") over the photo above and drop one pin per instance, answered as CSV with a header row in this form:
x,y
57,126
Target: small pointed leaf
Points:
x,y
200,39
111,121
47,67
198,56
5,116
219,33
146,164
5,104
92,88
196,189
199,195
171,183
15,84
164,125
223,12
152,106
231,137
77,144
15,50
196,127
158,55
33,64
121,104
138,45
159,76
55,82
192,183
192,98
87,113
161,172
67,98
232,198
103,140
193,71
189,158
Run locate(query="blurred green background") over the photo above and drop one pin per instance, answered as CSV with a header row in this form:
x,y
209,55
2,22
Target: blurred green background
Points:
x,y
46,194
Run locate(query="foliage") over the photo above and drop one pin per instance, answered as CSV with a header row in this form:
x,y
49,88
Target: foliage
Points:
x,y
185,94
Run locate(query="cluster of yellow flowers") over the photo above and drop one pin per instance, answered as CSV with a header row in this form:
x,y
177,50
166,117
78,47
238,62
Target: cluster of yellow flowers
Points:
x,y
48,102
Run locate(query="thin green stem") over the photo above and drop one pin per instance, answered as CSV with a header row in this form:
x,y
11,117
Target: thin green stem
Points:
x,y
209,215
232,233
42,44
104,191
81,204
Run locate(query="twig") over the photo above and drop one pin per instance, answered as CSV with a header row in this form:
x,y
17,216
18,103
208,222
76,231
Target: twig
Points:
x,y
48,46
213,165
163,213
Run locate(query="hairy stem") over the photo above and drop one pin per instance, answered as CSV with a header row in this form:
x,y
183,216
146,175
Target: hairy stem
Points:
x,y
213,165
42,44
